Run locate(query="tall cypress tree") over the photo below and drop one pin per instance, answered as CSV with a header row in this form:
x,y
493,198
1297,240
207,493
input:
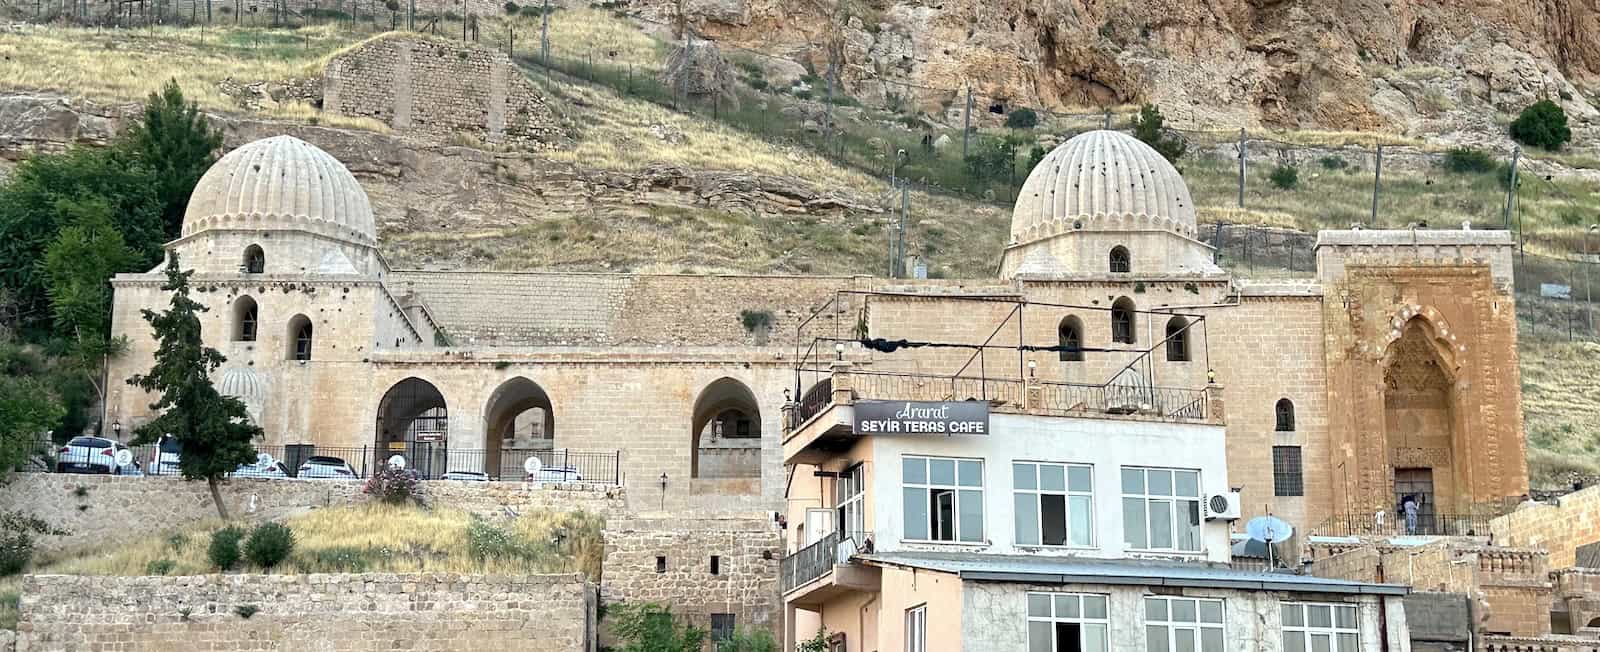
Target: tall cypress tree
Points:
x,y
213,431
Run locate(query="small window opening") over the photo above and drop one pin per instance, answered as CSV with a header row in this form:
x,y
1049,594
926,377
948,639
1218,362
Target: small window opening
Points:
x,y
1121,262
716,565
1285,413
661,564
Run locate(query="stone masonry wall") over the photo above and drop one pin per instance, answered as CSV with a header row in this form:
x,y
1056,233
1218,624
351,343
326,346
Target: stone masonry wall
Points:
x,y
1573,521
441,88
301,612
745,584
122,509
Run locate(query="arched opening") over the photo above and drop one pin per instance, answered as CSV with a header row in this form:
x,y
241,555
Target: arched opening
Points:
x,y
1419,424
726,432
519,423
1177,340
255,260
1121,262
1069,336
414,422
245,320
1122,321
1285,415
300,340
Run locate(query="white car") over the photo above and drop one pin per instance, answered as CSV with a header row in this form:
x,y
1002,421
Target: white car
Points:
x,y
165,461
469,476
327,467
89,455
556,474
258,470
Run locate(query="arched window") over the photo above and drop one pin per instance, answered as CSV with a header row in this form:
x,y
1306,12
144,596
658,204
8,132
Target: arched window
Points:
x,y
1177,340
1070,337
1122,323
255,260
300,338
244,320
1120,261
1285,412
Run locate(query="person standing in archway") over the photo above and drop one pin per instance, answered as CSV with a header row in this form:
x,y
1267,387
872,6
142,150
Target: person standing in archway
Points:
x,y
1410,507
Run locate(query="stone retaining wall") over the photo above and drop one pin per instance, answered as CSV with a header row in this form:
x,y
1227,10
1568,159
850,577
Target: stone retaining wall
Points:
x,y
669,561
376,611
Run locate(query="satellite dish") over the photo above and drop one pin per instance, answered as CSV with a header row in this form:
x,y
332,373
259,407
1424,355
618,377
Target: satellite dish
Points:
x,y
124,457
397,462
532,465
263,459
1269,529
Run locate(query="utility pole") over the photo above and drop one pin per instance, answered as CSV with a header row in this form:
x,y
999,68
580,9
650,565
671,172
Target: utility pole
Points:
x,y
1107,124
1377,183
966,123
1511,189
1588,279
544,37
1243,154
905,210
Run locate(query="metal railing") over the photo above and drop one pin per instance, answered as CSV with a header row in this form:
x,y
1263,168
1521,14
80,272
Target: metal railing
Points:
x,y
1425,524
1168,402
810,562
930,387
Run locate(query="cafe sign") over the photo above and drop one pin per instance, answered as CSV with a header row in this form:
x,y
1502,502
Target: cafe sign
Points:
x,y
922,418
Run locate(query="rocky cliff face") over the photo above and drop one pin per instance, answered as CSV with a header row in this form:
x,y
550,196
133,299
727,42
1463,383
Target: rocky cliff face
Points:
x,y
1420,66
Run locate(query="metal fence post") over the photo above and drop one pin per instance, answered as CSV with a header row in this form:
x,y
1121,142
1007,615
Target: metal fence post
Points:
x,y
1244,145
1511,188
1377,183
966,123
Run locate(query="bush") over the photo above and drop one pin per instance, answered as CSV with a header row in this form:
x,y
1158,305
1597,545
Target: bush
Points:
x,y
16,540
1148,128
1285,177
1504,175
748,640
650,627
394,486
223,553
1542,124
159,567
1333,163
269,544
754,320
511,8
1023,118
1467,160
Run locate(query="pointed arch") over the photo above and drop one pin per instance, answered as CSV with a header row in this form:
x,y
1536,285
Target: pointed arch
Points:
x,y
246,319
725,412
300,338
1283,413
519,422
255,260
1121,262
1178,339
1124,324
1069,336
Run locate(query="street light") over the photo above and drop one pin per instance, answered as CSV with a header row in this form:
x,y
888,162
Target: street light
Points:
x,y
116,429
838,349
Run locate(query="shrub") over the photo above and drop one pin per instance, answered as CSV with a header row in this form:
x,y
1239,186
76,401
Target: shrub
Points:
x,y
269,544
337,559
1333,163
486,541
1148,128
394,486
754,320
651,627
1023,118
245,611
1285,177
511,8
1542,124
818,643
16,540
159,566
223,552
1467,160
748,640
758,83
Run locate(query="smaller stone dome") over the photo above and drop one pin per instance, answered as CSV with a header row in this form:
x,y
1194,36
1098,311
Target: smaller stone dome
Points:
x,y
243,383
281,183
1105,181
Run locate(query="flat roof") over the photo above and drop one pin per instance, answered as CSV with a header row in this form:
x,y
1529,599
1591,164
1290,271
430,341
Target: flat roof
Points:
x,y
1079,570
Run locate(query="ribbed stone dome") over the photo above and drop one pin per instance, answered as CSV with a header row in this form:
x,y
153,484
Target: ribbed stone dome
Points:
x,y
242,382
1102,180
281,183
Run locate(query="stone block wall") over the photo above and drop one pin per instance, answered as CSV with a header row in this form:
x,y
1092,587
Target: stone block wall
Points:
x,y
445,89
433,611
1360,565
1560,528
669,561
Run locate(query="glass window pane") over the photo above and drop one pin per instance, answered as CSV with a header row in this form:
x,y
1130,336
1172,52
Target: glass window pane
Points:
x,y
1155,609
1082,526
1039,636
916,513
1347,617
1053,519
914,470
971,505
1321,643
1211,639
1160,483
1183,611
1211,612
1066,606
1079,478
970,473
1294,642
1155,638
1348,643
1094,606
1133,523
1038,605
942,472
1188,483
1188,525
1026,508
1294,615
1160,524
1319,615
1182,640
1024,476
1094,638
1133,481
1052,477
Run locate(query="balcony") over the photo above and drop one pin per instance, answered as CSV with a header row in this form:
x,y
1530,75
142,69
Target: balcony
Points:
x,y
822,570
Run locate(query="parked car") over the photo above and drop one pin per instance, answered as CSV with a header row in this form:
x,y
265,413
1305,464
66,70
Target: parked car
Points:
x,y
469,476
89,455
325,467
165,460
556,474
272,469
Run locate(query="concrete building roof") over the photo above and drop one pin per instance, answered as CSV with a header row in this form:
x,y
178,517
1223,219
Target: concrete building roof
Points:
x,y
1102,180
281,183
1068,570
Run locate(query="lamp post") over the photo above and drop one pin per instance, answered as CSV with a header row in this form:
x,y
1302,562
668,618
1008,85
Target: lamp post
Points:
x,y
838,350
116,429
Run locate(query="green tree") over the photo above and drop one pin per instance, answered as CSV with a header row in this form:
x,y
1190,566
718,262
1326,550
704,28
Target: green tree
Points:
x,y
1148,128
1023,118
77,268
1542,124
649,627
213,431
178,144
749,640
28,410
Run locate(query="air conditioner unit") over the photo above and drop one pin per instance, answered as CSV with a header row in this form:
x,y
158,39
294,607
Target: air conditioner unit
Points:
x,y
1222,507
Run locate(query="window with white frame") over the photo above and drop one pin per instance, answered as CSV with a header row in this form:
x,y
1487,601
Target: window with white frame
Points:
x,y
1182,625
1067,622
943,499
852,502
1161,509
1311,627
1054,504
917,629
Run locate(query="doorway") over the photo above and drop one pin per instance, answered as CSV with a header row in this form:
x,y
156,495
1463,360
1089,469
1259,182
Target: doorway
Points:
x,y
1418,485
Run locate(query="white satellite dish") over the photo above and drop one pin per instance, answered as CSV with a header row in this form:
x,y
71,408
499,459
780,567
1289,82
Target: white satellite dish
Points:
x,y
263,459
124,457
532,465
1269,529
397,462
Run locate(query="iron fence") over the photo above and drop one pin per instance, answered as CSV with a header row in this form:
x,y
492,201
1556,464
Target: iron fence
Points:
x,y
1384,524
1166,402
888,385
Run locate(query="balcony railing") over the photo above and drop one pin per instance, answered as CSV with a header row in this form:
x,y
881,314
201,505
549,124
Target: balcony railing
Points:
x,y
1390,525
818,559
1167,402
897,386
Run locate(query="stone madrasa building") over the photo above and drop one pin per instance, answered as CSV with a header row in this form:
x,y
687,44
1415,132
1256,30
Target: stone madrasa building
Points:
x,y
1393,372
